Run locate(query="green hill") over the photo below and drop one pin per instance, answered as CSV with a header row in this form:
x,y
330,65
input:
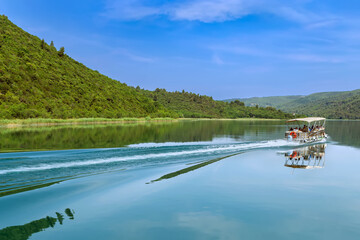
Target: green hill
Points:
x,y
274,101
336,105
191,105
37,80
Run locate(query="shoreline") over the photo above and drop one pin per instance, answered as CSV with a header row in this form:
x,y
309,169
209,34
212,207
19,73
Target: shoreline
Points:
x,y
43,122
14,123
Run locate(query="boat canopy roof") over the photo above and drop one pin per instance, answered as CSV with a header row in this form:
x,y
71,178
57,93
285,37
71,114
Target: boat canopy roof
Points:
x,y
308,119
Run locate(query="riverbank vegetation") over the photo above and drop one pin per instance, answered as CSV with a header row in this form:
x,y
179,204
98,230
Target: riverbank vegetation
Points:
x,y
75,121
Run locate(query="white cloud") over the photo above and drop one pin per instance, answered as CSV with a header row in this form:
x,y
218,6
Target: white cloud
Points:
x,y
217,60
322,24
129,10
132,56
209,10
238,50
140,58
291,14
285,54
314,58
213,10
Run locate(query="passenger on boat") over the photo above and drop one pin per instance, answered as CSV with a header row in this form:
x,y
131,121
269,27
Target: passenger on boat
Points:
x,y
305,128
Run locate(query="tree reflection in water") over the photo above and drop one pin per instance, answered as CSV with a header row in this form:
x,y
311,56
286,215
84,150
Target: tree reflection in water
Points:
x,y
23,232
120,135
110,136
189,169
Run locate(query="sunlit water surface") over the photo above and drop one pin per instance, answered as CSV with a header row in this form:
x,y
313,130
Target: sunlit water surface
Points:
x,y
179,180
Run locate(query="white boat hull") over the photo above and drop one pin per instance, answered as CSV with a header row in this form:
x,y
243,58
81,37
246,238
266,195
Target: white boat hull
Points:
x,y
309,139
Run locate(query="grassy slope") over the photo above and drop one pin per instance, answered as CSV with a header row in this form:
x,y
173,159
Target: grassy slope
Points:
x,y
36,82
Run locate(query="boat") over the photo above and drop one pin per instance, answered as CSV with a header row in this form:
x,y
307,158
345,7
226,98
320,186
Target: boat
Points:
x,y
313,129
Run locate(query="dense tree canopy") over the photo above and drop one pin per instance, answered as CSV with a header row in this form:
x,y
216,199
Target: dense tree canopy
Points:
x,y
191,105
38,81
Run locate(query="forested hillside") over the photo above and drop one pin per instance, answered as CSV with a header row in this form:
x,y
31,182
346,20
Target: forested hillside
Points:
x,y
337,105
37,80
194,105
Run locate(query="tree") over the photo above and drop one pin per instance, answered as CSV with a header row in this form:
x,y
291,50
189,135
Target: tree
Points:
x,y
237,102
52,46
42,43
61,52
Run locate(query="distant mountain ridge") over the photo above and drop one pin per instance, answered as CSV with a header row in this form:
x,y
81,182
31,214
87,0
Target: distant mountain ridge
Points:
x,y
336,105
273,101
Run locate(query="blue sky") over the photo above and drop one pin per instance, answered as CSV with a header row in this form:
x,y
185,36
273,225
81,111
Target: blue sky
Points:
x,y
222,48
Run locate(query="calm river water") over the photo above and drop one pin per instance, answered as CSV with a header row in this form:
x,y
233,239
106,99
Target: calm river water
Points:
x,y
205,179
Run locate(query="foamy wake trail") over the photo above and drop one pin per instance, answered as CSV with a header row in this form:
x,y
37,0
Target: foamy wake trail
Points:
x,y
210,149
215,141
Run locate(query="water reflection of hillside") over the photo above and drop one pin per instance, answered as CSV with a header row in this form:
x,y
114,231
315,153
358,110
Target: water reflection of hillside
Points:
x,y
344,132
23,232
308,157
191,168
109,136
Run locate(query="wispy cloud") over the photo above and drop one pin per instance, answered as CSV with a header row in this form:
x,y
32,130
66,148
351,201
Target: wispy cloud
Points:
x,y
129,10
217,60
239,50
313,58
211,10
214,10
285,54
295,15
323,24
132,56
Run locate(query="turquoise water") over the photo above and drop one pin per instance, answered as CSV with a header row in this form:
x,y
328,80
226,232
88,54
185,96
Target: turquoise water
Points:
x,y
183,180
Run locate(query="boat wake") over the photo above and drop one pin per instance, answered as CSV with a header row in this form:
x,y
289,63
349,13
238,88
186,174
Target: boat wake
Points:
x,y
31,170
167,151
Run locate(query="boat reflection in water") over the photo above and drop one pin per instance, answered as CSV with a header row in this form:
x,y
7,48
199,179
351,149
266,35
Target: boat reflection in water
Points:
x,y
308,157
